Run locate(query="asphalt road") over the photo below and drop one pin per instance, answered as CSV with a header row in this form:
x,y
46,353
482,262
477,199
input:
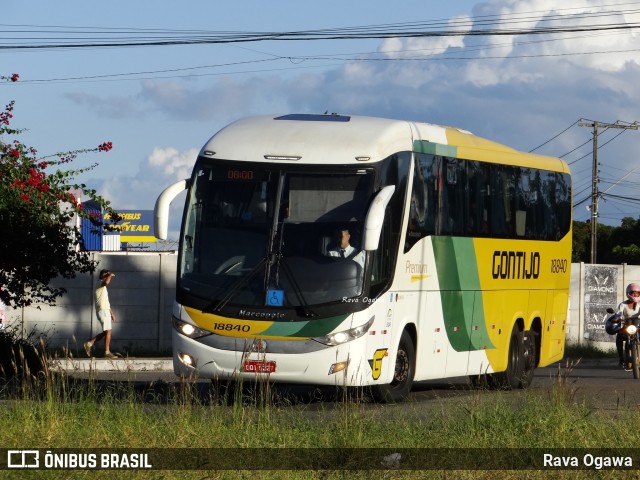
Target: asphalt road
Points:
x,y
598,383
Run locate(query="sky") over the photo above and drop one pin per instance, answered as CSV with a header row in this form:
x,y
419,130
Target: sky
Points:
x,y
159,104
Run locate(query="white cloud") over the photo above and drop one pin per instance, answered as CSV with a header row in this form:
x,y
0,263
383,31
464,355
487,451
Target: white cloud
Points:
x,y
426,46
163,167
519,90
523,15
225,97
110,107
174,165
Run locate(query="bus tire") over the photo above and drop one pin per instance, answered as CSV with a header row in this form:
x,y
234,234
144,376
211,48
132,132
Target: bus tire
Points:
x,y
403,373
530,359
511,378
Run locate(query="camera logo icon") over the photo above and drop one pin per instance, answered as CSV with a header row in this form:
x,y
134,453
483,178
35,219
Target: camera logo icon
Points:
x,y
23,459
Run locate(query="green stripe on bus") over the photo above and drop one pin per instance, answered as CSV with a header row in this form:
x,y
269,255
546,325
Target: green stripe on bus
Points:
x,y
306,329
460,293
317,328
422,146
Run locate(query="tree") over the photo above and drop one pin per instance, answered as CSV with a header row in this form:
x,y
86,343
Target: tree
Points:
x,y
615,244
623,242
38,202
629,254
581,248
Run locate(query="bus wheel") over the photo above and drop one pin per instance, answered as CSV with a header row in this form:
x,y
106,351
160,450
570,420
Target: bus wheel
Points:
x,y
529,357
404,370
511,378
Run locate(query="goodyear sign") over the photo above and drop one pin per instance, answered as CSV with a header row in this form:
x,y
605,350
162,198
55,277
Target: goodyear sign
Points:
x,y
135,226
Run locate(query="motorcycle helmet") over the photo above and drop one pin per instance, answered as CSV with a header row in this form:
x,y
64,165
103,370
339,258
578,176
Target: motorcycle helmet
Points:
x,y
612,326
632,287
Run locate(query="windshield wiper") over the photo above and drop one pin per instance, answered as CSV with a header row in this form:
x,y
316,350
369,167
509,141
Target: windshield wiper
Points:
x,y
235,288
267,260
306,310
274,231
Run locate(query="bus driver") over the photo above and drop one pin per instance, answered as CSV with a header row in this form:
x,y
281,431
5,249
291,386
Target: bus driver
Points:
x,y
344,249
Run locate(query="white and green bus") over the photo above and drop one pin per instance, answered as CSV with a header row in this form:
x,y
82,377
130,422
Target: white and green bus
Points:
x,y
463,251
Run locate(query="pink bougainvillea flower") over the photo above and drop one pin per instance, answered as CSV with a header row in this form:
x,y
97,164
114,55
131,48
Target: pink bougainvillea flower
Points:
x,y
105,147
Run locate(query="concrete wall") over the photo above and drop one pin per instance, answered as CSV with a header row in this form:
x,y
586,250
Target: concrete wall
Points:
x,y
593,289
142,295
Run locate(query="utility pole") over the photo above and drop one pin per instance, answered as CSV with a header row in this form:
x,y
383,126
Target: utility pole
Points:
x,y
595,179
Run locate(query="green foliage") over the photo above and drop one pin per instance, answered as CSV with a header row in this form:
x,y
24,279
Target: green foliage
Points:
x,y
615,245
628,254
19,358
581,249
39,202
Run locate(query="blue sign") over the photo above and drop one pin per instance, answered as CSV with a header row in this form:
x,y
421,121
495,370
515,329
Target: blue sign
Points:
x,y
275,298
135,225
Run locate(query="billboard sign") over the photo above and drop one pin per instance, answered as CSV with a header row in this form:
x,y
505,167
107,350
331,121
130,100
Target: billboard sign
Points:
x,y
601,292
135,226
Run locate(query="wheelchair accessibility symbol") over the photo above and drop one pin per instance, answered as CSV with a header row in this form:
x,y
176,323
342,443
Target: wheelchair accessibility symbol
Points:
x,y
275,298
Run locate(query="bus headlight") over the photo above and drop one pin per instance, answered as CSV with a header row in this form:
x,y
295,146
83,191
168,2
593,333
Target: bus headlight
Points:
x,y
631,329
187,360
189,330
345,336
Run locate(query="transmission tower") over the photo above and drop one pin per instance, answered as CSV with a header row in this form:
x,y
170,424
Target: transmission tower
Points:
x,y
594,176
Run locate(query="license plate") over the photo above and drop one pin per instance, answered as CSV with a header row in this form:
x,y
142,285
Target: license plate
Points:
x,y
256,366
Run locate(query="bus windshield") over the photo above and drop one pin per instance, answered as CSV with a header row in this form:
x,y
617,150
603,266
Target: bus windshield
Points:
x,y
262,236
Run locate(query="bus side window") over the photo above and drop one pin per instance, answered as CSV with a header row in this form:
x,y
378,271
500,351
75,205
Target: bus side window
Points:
x,y
450,196
424,196
563,204
381,260
479,188
502,200
453,217
549,207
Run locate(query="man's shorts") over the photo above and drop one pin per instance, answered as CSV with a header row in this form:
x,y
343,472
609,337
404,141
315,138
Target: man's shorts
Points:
x,y
104,316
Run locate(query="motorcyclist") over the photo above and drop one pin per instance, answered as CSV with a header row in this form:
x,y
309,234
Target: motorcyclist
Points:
x,y
627,309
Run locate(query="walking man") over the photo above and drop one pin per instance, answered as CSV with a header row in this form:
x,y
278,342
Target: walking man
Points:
x,y
105,315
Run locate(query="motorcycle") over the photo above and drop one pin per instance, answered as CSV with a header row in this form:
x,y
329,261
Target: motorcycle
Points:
x,y
629,329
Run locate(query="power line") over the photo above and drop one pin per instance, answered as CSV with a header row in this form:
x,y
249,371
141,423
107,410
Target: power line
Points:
x,y
170,70
554,137
321,57
625,199
594,176
459,28
477,26
585,156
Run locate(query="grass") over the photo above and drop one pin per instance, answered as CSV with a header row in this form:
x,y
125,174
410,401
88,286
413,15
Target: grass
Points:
x,y
52,411
56,413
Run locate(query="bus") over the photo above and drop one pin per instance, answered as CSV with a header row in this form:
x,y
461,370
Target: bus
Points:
x,y
462,266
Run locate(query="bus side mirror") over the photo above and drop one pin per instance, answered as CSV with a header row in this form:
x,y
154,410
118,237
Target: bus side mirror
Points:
x,y
161,210
375,218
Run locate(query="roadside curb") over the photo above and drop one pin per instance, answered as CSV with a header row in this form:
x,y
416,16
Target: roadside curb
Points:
x,y
165,364
127,364
567,364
